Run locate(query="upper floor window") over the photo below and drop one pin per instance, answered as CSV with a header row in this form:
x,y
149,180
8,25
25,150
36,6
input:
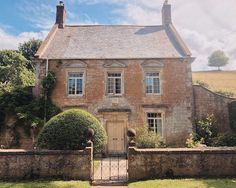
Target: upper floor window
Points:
x,y
75,83
114,84
154,121
152,83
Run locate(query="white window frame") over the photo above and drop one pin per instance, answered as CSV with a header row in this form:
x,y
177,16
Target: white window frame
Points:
x,y
155,120
121,82
76,78
152,77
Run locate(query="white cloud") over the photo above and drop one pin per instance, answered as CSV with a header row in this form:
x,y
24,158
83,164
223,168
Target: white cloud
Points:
x,y
11,42
204,25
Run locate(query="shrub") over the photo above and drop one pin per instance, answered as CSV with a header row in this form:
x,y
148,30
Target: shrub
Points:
x,y
224,140
68,131
232,115
148,139
206,130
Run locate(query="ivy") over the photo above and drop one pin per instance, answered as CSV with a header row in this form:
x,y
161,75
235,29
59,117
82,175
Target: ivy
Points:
x,y
48,83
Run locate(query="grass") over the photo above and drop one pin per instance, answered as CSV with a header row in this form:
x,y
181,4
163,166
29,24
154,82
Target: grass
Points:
x,y
45,184
218,80
186,183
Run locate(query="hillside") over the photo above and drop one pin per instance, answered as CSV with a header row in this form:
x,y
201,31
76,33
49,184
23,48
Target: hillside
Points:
x,y
217,80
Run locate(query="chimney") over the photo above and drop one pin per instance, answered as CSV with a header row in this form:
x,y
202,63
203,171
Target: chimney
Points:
x,y
61,15
166,13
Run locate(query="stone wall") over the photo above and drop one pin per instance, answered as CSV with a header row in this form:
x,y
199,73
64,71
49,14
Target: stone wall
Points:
x,y
23,164
162,163
208,102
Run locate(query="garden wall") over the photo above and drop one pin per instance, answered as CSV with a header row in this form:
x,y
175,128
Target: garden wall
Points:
x,y
208,102
23,164
169,163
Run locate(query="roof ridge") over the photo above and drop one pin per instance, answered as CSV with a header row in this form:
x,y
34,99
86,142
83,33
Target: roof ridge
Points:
x,y
110,25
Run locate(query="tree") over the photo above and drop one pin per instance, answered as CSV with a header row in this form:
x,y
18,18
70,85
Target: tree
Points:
x,y
28,50
218,59
13,71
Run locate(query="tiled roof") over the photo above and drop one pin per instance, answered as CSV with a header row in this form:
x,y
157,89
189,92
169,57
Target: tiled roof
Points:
x,y
113,42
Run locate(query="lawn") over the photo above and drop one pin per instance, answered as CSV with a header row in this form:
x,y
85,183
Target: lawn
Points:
x,y
217,80
186,183
45,184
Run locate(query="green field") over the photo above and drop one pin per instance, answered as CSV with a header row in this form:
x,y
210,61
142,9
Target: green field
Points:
x,y
217,80
186,183
45,184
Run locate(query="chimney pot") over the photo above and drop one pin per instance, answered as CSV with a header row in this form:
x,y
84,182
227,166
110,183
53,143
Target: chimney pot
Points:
x,y
61,15
166,13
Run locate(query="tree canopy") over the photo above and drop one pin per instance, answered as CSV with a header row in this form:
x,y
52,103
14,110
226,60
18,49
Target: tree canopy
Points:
x,y
218,59
13,71
28,50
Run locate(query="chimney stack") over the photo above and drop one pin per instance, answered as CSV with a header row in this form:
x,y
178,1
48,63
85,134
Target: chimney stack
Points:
x,y
61,15
166,13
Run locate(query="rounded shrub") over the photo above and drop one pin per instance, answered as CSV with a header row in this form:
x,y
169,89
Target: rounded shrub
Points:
x,y
69,131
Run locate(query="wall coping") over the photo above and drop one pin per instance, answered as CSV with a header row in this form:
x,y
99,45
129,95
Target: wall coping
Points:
x,y
212,92
4,152
208,150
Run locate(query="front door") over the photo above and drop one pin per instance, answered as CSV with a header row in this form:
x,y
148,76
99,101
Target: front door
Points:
x,y
116,137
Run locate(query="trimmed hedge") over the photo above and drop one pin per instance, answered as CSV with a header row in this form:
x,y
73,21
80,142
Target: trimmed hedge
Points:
x,y
232,115
68,131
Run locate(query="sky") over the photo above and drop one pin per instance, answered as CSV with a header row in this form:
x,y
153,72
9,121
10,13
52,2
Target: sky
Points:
x,y
205,25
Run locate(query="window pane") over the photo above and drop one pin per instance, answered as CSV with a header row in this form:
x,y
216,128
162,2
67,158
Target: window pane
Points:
x,y
110,86
148,82
118,85
154,121
75,83
79,89
152,83
156,85
71,86
114,83
74,75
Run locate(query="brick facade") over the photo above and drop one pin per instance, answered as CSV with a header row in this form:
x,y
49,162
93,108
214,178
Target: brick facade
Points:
x,y
175,101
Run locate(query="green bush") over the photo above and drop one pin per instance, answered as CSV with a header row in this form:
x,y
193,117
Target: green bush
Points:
x,y
206,130
224,140
68,131
148,139
232,115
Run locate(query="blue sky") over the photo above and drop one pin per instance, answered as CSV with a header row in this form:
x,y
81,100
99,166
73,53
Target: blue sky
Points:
x,y
205,25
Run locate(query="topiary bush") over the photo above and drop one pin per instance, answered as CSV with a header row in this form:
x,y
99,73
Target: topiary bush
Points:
x,y
68,131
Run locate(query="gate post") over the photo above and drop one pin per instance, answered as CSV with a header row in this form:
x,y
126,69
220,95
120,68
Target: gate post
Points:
x,y
89,151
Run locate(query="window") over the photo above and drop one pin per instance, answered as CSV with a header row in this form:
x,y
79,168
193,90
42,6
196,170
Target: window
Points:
x,y
154,121
114,83
152,83
75,83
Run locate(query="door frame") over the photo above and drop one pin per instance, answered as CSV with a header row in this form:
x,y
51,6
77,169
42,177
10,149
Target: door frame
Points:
x,y
116,117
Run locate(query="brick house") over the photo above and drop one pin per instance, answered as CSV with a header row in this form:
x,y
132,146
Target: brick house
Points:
x,y
126,75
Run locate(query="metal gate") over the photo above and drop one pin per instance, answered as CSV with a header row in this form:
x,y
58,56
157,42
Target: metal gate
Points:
x,y
110,170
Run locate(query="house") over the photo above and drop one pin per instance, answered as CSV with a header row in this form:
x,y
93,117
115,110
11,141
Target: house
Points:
x,y
126,75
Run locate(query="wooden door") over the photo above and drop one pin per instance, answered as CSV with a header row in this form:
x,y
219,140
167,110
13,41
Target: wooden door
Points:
x,y
116,137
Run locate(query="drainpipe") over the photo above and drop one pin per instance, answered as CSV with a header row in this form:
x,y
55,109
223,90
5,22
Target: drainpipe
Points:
x,y
45,97
46,67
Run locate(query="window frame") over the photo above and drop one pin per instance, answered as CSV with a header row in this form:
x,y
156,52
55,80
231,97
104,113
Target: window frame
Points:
x,y
121,87
83,83
160,84
161,118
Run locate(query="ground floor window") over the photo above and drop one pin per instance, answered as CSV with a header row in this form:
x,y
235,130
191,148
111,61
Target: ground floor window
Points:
x,y
154,121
